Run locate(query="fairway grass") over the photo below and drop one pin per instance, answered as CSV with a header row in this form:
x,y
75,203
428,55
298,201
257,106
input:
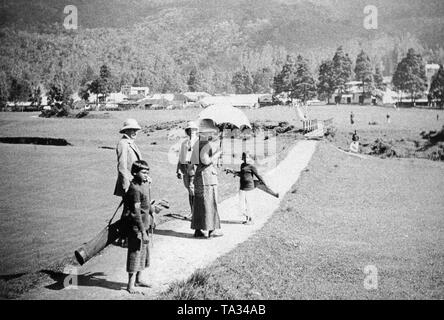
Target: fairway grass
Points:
x,y
343,214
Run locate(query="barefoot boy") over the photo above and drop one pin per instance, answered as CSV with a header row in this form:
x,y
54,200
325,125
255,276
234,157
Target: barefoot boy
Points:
x,y
247,173
137,209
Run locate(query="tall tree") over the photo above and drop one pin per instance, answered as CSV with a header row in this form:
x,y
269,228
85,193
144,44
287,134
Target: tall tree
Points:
x,y
107,80
303,84
364,72
242,81
20,90
88,76
104,84
326,83
195,80
4,89
60,91
342,69
378,78
437,87
283,81
84,93
36,95
141,79
410,75
263,80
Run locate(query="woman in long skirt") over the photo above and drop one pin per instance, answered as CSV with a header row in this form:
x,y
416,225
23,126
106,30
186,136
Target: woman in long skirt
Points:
x,y
205,213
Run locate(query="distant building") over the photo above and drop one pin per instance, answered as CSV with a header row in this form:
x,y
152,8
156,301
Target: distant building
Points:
x,y
235,100
353,94
130,91
164,101
116,97
196,96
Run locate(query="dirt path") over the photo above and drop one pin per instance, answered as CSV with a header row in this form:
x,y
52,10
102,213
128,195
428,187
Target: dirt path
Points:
x,y
176,254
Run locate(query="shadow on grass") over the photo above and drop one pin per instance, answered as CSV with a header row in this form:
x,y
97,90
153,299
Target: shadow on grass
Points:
x,y
7,277
181,217
83,280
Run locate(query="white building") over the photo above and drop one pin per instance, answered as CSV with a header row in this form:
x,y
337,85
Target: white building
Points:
x,y
353,94
130,90
196,96
235,100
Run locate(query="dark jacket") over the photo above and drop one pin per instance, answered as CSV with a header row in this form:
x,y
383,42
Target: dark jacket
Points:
x,y
134,220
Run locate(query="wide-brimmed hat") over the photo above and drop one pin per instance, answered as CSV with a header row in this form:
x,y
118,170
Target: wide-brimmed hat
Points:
x,y
130,124
191,125
207,125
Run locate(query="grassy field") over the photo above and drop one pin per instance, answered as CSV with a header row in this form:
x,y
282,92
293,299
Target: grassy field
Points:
x,y
55,198
52,199
343,215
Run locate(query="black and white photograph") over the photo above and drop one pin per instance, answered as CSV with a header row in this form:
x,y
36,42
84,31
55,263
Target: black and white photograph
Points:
x,y
200,151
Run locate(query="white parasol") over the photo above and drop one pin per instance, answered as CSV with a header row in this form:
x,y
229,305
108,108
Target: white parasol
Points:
x,y
222,114
225,113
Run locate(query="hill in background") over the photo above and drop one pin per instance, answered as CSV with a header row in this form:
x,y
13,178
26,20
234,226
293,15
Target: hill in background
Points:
x,y
219,36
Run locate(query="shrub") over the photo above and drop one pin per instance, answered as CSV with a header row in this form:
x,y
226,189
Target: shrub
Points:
x,y
382,148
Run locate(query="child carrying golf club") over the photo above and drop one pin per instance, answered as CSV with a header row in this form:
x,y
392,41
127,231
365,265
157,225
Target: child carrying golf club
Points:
x,y
139,219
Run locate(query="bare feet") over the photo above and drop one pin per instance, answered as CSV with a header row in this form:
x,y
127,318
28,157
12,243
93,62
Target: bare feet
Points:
x,y
132,290
141,283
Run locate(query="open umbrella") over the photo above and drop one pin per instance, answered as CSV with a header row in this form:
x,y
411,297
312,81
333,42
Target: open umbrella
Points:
x,y
225,114
222,114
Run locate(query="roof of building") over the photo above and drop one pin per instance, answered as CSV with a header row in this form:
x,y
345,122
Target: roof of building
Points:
x,y
432,66
194,96
234,100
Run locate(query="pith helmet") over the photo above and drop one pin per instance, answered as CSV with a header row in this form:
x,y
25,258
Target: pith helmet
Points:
x,y
130,124
191,125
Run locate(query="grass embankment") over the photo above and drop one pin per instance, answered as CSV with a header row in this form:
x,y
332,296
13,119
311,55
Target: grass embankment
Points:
x,y
411,133
342,215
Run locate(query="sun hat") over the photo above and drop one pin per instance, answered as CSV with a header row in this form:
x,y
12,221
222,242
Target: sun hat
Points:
x,y
130,124
191,125
207,125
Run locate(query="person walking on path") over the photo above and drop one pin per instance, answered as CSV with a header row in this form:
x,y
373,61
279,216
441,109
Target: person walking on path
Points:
x,y
388,118
205,210
139,220
186,166
352,118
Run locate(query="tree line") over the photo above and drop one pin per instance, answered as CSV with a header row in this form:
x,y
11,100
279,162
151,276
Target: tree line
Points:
x,y
294,76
